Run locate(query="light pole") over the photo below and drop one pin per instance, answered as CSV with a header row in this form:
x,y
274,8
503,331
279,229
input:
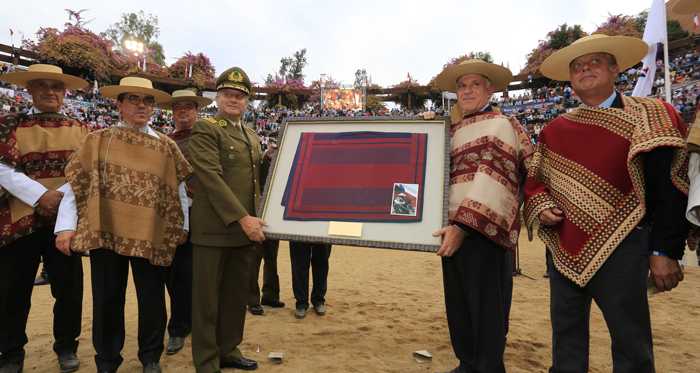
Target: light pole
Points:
x,y
136,47
323,85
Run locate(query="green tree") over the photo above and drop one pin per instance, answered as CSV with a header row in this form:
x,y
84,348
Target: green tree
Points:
x,y
137,26
374,103
640,20
675,31
484,56
673,27
291,68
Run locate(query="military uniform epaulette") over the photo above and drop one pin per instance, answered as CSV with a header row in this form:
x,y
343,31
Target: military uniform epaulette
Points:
x,y
211,120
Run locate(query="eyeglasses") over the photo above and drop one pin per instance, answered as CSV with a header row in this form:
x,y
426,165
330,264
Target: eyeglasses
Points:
x,y
148,101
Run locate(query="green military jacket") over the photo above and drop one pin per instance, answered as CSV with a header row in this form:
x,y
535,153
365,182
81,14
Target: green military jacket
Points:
x,y
230,177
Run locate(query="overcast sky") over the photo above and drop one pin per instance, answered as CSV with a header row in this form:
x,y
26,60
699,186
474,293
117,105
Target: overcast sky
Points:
x,y
388,38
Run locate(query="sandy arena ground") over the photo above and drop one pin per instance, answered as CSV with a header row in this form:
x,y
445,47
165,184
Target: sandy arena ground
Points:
x,y
382,305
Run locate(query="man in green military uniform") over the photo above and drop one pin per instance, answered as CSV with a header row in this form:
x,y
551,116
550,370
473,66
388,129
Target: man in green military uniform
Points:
x,y
230,169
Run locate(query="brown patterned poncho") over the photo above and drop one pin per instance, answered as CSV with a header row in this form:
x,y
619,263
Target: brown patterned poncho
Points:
x,y
126,190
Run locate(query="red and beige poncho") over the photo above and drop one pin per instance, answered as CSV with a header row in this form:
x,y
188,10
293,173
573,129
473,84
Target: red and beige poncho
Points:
x,y
489,157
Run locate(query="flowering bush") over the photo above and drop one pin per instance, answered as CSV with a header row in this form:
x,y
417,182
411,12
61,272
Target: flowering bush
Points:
x,y
562,37
290,101
75,47
417,99
202,70
619,25
455,61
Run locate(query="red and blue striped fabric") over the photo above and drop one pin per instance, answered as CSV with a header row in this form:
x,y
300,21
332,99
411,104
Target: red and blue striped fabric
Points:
x,y
350,176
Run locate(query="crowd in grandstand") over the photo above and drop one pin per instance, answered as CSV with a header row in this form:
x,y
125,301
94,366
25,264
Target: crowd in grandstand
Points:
x,y
534,108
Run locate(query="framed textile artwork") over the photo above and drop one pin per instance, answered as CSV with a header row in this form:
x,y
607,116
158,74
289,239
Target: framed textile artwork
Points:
x,y
379,182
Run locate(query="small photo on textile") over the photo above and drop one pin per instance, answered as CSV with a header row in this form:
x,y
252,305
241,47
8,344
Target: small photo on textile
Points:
x,y
405,197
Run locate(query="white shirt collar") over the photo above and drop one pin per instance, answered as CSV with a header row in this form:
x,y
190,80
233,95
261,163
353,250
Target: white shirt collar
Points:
x,y
145,129
34,110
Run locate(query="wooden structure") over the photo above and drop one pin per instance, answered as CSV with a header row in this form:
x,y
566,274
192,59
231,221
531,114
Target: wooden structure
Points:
x,y
20,57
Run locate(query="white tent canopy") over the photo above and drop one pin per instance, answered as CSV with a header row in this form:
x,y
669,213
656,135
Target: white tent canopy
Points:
x,y
449,96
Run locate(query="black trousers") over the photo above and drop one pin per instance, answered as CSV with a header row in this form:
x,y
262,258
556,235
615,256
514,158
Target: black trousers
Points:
x,y
110,272
507,292
19,262
304,255
619,290
271,281
178,280
474,282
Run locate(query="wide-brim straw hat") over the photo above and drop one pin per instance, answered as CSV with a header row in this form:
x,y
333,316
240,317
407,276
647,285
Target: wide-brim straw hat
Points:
x,y
185,95
447,80
43,71
500,76
686,7
134,85
627,51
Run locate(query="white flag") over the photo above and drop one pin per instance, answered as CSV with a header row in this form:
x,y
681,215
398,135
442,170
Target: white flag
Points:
x,y
653,34
191,70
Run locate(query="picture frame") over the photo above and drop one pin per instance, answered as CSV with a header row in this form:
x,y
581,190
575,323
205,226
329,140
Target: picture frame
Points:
x,y
433,199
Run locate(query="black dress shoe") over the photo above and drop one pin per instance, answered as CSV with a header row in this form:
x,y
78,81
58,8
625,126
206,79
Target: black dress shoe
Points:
x,y
69,362
13,368
106,371
241,363
256,310
153,367
455,370
272,303
175,344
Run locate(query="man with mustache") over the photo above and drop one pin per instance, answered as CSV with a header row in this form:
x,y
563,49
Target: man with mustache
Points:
x,y
608,186
178,278
127,204
34,150
231,170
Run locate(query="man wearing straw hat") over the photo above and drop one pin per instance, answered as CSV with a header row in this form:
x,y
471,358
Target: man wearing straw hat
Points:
x,y
601,177
127,204
34,149
693,208
489,157
178,277
230,169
